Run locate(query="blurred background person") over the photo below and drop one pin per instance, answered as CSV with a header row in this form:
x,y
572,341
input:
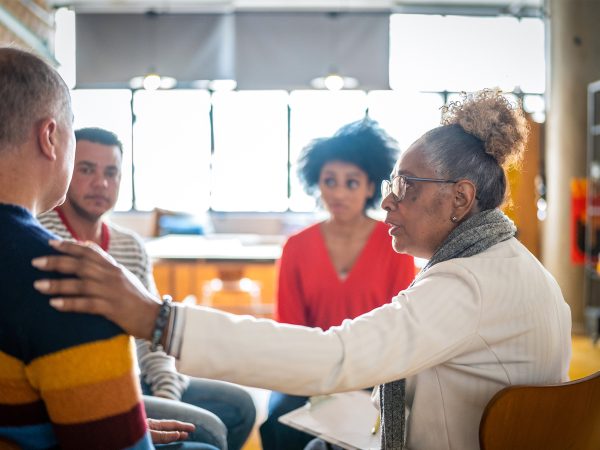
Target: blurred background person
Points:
x,y
343,266
223,413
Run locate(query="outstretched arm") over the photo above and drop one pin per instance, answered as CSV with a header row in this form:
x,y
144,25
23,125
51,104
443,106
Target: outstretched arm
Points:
x,y
157,368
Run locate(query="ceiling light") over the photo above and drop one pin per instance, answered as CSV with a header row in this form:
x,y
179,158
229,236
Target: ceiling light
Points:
x,y
222,85
152,81
334,82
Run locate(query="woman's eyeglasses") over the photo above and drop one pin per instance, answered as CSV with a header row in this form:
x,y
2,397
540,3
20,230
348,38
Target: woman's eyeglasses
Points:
x,y
397,185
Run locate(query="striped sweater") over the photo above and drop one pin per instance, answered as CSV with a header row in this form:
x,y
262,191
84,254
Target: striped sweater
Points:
x,y
66,380
157,368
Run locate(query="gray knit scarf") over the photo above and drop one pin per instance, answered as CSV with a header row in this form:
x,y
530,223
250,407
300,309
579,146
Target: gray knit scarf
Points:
x,y
473,236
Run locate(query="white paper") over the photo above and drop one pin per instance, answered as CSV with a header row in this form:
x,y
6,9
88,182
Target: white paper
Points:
x,y
344,419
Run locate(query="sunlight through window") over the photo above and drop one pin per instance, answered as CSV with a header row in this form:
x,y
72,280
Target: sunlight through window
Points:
x,y
172,150
249,171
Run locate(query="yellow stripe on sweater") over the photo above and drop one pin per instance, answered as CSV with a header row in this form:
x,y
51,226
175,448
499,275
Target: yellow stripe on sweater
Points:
x,y
14,387
88,363
17,392
11,368
93,402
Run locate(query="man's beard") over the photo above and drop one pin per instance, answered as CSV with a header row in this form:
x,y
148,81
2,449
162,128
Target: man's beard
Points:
x,y
81,212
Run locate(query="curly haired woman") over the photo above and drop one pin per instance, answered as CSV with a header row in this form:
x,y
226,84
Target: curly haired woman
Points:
x,y
344,266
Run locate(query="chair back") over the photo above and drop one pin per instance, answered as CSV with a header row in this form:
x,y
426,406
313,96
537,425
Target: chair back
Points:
x,y
563,416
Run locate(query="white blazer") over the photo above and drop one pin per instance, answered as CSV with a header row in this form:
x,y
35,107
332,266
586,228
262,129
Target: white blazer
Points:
x,y
466,329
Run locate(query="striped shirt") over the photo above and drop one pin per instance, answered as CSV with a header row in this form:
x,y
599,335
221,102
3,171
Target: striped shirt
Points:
x,y
57,368
127,248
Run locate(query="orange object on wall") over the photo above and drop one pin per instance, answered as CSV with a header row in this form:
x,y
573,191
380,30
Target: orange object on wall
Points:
x,y
578,219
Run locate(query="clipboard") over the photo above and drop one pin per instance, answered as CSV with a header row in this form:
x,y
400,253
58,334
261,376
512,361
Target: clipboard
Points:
x,y
343,419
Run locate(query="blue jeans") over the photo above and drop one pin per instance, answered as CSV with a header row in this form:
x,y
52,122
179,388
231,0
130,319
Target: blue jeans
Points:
x,y
186,446
223,413
277,436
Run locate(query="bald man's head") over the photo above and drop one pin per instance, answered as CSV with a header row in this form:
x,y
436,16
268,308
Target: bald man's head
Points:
x,y
30,90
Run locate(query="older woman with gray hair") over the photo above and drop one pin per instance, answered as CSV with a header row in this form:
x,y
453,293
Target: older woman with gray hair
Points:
x,y
483,313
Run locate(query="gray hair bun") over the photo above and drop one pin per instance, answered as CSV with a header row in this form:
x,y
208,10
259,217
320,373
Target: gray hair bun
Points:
x,y
490,117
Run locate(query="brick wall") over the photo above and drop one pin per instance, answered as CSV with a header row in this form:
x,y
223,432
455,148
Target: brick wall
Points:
x,y
35,15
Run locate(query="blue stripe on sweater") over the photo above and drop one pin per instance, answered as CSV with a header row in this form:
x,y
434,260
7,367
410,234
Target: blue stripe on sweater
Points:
x,y
31,436
145,443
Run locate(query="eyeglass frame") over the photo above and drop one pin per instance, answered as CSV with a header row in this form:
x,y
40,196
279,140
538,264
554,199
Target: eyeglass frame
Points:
x,y
387,185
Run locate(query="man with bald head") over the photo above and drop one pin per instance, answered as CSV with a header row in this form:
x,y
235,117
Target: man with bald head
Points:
x,y
66,381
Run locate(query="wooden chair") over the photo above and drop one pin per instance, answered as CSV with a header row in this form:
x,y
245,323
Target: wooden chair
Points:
x,y
562,416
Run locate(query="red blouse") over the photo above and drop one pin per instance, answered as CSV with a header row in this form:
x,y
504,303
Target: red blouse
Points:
x,y
311,293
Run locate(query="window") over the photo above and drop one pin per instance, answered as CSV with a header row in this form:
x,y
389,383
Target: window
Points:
x,y
452,53
171,156
236,151
249,171
405,116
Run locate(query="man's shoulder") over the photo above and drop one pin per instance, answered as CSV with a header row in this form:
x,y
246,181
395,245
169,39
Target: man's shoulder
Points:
x,y
52,222
39,329
127,247
25,241
124,238
120,233
49,217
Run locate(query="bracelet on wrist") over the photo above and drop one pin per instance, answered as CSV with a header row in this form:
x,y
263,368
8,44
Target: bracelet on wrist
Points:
x,y
161,322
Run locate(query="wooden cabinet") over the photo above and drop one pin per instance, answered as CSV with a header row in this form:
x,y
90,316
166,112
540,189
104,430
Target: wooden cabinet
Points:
x,y
238,287
523,195
235,273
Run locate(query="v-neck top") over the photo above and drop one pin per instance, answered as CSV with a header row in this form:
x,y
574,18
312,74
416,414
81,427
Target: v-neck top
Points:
x,y
310,292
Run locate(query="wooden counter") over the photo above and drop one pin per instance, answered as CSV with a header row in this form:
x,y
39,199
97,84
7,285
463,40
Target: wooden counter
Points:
x,y
236,273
